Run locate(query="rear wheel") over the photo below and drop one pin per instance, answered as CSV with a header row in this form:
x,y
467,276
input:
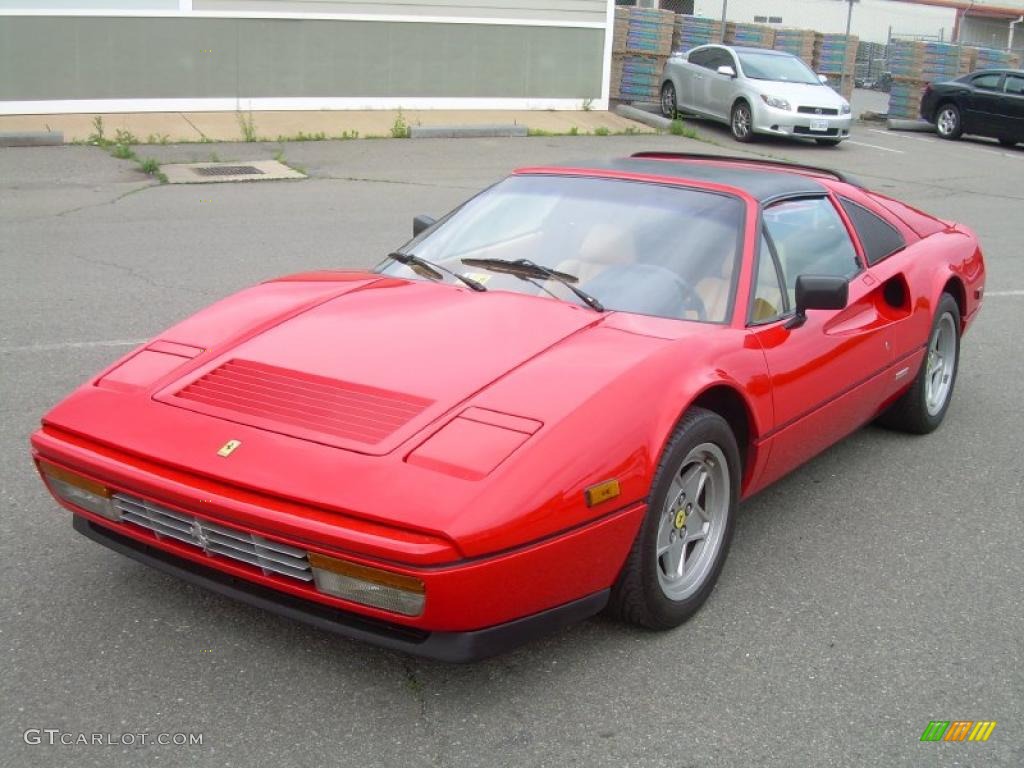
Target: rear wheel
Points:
x,y
921,409
828,142
742,122
668,100
682,543
947,122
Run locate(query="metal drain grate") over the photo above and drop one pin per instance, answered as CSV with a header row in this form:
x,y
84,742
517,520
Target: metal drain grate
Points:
x,y
227,170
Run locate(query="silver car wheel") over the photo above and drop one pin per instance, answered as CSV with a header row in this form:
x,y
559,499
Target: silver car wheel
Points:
x,y
940,364
741,121
692,524
668,100
947,122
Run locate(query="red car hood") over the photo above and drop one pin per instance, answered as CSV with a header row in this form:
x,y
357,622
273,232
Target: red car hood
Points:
x,y
368,369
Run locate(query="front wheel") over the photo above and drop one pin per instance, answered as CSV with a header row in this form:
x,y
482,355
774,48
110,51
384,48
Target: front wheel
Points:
x,y
742,122
921,409
682,543
947,122
668,100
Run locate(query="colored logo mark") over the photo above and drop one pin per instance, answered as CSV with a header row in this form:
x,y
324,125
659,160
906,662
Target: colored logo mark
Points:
x,y
958,730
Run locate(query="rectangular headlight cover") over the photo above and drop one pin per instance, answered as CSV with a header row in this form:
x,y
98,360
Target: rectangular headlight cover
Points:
x,y
81,491
377,588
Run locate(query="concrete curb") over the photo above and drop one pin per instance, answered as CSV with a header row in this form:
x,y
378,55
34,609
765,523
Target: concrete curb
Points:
x,y
921,126
641,116
466,131
32,139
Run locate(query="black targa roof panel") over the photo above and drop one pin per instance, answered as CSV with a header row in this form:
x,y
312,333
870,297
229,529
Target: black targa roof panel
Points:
x,y
766,183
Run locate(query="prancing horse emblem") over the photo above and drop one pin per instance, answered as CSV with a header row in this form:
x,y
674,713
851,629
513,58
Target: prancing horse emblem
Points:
x,y
228,448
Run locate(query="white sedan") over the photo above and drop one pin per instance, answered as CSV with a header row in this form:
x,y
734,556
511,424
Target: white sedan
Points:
x,y
755,90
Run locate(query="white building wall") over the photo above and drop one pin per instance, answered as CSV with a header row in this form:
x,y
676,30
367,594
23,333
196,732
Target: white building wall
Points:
x,y
872,19
990,33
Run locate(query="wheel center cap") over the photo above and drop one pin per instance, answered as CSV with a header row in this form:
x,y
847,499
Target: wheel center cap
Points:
x,y
681,518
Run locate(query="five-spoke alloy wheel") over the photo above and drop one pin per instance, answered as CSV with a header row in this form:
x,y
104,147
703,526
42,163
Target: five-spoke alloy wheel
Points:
x,y
681,546
922,407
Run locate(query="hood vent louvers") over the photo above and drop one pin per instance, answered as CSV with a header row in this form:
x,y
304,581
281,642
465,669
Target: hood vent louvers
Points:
x,y
313,404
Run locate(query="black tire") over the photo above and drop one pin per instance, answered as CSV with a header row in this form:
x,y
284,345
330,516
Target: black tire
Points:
x,y
829,142
741,116
911,413
948,123
1008,142
669,104
638,596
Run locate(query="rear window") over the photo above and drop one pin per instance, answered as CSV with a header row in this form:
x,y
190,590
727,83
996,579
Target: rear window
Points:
x,y
879,238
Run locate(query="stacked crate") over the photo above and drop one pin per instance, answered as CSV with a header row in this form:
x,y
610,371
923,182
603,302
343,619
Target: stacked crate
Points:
x,y
641,42
643,30
691,31
871,61
799,42
749,35
993,58
916,63
835,56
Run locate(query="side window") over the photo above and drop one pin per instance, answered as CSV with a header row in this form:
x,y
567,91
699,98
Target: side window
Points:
x,y
879,238
988,82
722,59
769,300
1015,85
701,58
809,239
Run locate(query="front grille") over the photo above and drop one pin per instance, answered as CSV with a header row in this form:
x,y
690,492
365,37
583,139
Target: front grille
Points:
x,y
316,403
213,539
817,111
808,132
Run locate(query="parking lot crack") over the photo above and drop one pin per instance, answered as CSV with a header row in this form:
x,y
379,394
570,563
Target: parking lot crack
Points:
x,y
102,203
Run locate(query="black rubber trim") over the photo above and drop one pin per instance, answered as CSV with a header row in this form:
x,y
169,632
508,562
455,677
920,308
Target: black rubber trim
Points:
x,y
444,646
778,164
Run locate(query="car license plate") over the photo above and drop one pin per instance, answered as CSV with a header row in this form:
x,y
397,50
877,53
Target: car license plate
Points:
x,y
819,125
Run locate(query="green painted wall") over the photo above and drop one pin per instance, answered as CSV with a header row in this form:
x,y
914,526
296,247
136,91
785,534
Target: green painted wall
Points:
x,y
65,57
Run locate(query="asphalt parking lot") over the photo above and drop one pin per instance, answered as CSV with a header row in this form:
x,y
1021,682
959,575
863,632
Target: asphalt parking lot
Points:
x,y
874,590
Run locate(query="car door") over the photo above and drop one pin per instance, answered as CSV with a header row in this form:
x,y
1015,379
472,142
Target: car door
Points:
x,y
828,375
697,72
721,89
980,111
1013,107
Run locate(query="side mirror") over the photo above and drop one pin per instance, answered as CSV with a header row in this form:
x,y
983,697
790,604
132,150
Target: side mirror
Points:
x,y
725,69
823,79
818,292
421,223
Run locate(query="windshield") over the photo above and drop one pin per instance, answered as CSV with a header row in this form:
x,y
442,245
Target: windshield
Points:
x,y
637,247
786,69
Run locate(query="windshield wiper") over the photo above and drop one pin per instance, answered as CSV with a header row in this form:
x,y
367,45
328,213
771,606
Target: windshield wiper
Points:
x,y
433,271
527,269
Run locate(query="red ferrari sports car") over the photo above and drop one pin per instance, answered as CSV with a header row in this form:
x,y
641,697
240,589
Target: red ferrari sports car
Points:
x,y
546,404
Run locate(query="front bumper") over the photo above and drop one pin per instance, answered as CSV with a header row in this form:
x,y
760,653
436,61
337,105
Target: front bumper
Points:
x,y
444,646
779,122
499,595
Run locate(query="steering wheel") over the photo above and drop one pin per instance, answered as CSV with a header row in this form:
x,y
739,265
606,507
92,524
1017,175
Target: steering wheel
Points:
x,y
691,299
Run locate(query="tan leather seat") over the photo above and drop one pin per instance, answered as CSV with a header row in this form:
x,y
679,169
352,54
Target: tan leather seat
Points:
x,y
714,290
605,245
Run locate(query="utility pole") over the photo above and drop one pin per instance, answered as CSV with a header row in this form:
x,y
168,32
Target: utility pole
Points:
x,y
725,4
849,21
